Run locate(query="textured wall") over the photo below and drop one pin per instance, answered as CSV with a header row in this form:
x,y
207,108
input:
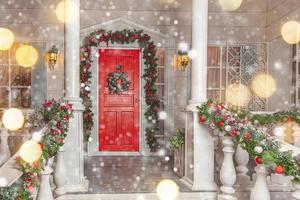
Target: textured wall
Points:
x,y
280,54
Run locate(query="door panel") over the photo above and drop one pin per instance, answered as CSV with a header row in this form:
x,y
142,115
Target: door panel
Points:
x,y
119,114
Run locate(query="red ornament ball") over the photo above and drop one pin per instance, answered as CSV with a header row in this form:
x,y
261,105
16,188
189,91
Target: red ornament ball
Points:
x,y
202,118
220,124
233,133
279,169
258,160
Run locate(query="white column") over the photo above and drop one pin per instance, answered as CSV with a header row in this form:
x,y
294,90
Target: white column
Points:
x,y
203,151
199,44
74,152
4,148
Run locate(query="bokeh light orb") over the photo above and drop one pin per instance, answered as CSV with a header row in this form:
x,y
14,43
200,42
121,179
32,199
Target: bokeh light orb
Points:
x,y
31,151
167,190
238,94
27,56
6,38
290,32
263,85
13,119
230,5
66,6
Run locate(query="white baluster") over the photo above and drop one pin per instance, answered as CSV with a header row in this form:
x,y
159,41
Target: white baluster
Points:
x,y
4,148
59,174
260,190
45,192
51,164
227,173
296,194
242,158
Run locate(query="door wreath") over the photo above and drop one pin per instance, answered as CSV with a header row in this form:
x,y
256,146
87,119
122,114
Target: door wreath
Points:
x,y
118,82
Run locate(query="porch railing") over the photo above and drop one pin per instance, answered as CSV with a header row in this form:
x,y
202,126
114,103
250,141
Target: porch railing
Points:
x,y
234,174
10,171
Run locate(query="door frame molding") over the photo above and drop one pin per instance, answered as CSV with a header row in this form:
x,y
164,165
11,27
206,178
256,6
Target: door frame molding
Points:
x,y
93,146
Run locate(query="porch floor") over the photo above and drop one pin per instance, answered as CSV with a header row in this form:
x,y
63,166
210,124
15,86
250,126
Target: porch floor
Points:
x,y
128,174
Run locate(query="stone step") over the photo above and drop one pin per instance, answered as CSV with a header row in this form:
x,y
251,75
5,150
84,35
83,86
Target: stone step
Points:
x,y
138,196
181,196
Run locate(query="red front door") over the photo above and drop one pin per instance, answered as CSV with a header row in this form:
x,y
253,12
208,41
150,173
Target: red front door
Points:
x,y
119,114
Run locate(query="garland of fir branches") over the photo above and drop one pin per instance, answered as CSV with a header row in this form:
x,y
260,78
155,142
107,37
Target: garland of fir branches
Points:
x,y
148,48
56,116
250,132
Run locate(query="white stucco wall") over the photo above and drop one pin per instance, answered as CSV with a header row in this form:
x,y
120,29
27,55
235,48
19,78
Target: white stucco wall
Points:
x,y
279,67
280,53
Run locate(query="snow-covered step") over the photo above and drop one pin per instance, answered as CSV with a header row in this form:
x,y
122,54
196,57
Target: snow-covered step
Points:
x,y
245,195
139,196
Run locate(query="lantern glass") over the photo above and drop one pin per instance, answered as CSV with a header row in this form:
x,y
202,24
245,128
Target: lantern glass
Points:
x,y
52,57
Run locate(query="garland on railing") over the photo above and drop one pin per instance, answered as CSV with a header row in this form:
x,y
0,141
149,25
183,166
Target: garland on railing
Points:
x,y
246,130
150,75
56,115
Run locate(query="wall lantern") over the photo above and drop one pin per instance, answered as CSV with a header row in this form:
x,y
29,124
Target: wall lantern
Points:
x,y
52,56
183,59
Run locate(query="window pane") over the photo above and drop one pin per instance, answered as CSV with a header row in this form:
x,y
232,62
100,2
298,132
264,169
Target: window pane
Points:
x,y
160,75
160,92
21,97
213,56
161,57
3,57
4,97
213,94
213,78
13,53
20,76
234,56
223,82
223,96
294,50
4,76
233,75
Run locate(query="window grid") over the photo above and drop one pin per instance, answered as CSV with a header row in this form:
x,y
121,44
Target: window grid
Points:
x,y
9,87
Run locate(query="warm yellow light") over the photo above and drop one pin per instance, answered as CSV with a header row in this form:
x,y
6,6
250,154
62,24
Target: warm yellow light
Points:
x,y
263,85
6,38
238,94
230,5
290,32
13,119
27,56
31,151
66,6
167,190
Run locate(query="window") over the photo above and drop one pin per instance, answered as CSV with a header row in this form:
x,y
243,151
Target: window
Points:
x,y
295,75
160,84
15,81
216,73
231,63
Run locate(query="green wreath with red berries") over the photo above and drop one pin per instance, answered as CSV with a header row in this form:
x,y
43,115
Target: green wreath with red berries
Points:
x,y
118,82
